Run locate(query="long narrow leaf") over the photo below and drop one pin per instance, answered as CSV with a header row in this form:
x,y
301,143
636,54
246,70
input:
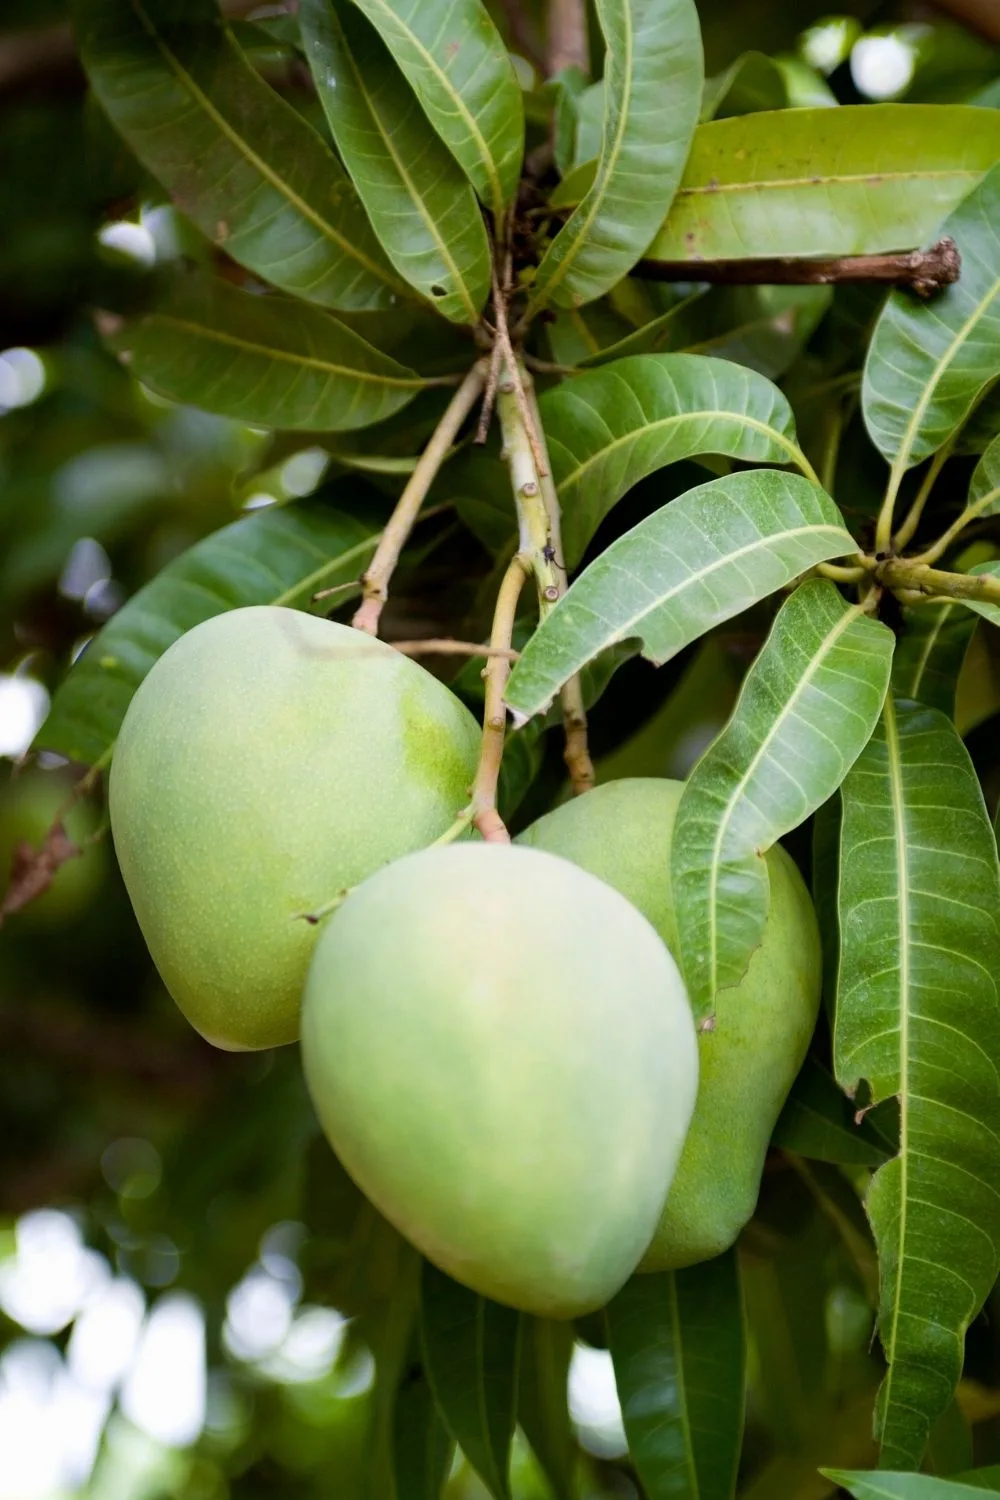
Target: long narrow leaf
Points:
x,y
928,363
677,1343
238,160
653,74
848,181
542,1401
930,650
806,711
917,1017
279,556
422,1447
609,428
818,1122
471,1352
265,360
700,560
419,200
883,1486
457,65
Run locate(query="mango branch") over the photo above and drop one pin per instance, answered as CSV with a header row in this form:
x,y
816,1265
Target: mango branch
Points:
x,y
923,271
483,806
576,753
375,582
910,576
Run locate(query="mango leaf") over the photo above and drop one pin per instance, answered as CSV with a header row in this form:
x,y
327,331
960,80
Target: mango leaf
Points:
x,y
270,361
652,90
806,711
929,653
278,556
677,1342
824,875
983,425
929,362
919,888
753,82
471,1352
419,200
459,69
579,334
885,1486
847,181
660,334
609,428
238,160
984,487
819,1122
542,1401
701,559
422,1447
982,607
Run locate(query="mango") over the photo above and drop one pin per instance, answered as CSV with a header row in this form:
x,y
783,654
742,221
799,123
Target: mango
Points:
x,y
622,833
269,760
501,1053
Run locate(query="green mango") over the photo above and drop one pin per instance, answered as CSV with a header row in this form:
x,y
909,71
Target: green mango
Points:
x,y
501,1053
269,760
622,832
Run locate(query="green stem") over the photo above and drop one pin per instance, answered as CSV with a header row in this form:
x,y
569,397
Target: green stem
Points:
x,y
971,513
906,532
577,748
905,574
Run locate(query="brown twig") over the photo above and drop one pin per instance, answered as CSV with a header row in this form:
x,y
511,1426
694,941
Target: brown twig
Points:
x,y
576,752
484,791
512,376
490,394
923,271
375,582
439,646
568,42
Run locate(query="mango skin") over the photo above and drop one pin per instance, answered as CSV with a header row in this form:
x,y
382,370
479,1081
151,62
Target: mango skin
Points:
x,y
501,1053
622,833
269,760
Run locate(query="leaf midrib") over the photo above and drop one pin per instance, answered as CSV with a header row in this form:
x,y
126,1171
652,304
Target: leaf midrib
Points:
x,y
903,890
235,139
675,1322
599,189
911,431
469,120
429,220
663,423
826,646
815,528
768,184
308,361
929,642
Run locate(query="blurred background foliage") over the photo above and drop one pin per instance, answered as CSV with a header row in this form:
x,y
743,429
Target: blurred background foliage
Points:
x,y
190,1290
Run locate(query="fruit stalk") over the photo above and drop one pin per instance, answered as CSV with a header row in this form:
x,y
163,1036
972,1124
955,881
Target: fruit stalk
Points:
x,y
375,583
484,792
577,751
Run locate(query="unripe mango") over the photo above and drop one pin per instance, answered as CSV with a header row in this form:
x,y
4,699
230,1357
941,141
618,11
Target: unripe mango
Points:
x,y
622,833
500,1050
269,760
